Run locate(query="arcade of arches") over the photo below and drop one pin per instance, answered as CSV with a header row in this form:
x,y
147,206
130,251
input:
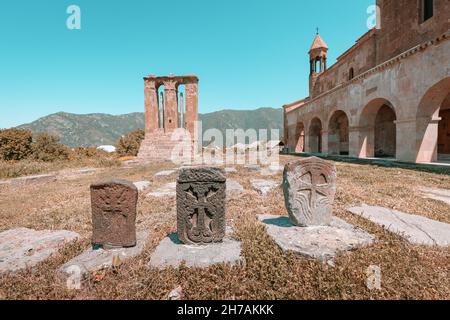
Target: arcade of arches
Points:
x,y
375,134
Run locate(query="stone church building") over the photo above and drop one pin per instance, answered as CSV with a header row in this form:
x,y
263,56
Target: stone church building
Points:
x,y
387,96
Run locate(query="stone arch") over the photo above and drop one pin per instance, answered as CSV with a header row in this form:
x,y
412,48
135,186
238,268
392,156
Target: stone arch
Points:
x,y
161,105
378,131
338,133
315,135
433,123
300,138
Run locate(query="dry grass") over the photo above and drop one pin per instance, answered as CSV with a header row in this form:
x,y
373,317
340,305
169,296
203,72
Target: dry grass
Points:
x,y
14,169
408,272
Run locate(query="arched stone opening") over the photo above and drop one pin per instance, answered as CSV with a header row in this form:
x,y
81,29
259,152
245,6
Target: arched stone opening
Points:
x,y
433,124
315,136
338,134
378,130
385,133
300,138
161,106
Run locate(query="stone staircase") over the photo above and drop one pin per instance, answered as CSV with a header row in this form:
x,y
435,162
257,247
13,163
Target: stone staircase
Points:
x,y
159,146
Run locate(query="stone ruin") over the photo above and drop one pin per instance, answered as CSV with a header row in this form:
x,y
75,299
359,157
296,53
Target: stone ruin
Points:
x,y
201,195
170,118
114,214
309,187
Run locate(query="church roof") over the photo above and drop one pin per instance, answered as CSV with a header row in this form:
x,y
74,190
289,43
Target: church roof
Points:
x,y
318,43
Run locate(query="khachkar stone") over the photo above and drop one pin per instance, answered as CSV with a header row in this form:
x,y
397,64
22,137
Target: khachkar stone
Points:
x,y
201,194
309,189
114,214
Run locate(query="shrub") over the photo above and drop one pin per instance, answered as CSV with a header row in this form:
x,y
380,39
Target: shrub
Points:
x,y
46,147
15,144
129,145
88,152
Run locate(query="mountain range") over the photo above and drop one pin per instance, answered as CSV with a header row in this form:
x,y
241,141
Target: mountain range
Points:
x,y
103,129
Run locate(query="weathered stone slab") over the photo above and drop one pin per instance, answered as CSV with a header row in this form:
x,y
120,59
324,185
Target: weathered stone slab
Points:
x,y
319,242
276,168
263,186
5,182
21,248
309,187
22,181
165,173
201,195
95,260
253,167
167,190
142,185
234,187
436,194
230,170
85,171
114,214
131,162
171,252
415,229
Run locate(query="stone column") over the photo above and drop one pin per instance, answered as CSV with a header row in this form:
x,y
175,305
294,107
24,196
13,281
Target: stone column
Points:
x,y
192,108
324,135
427,135
151,105
406,140
161,110
366,141
170,112
180,106
355,141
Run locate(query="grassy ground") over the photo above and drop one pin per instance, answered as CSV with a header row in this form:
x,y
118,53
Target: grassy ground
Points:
x,y
408,271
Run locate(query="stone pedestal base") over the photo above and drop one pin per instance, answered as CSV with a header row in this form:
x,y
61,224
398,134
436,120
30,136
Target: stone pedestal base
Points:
x,y
322,242
172,253
96,260
160,146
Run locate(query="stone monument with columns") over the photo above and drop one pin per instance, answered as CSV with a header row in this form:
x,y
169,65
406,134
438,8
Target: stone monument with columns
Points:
x,y
171,117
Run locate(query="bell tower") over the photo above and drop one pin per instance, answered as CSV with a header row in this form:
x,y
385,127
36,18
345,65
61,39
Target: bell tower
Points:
x,y
317,60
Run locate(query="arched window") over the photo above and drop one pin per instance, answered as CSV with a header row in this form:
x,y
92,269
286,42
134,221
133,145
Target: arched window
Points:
x,y
351,74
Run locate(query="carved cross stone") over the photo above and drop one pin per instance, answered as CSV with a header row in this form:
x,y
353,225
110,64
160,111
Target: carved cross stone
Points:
x,y
309,189
201,194
114,214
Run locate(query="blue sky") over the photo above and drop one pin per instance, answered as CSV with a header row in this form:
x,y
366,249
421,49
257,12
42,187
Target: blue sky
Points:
x,y
247,53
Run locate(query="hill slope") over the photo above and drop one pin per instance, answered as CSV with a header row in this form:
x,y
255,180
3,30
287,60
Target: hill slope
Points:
x,y
103,129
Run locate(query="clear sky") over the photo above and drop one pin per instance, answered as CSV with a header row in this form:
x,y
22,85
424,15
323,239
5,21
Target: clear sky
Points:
x,y
247,53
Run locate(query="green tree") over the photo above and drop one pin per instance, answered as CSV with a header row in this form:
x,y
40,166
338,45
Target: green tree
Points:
x,y
15,144
129,145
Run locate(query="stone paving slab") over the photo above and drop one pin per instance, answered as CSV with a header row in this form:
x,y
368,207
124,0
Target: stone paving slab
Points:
x,y
142,185
320,242
167,190
22,181
234,187
436,194
230,170
95,260
415,229
21,248
253,167
165,173
264,186
172,253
